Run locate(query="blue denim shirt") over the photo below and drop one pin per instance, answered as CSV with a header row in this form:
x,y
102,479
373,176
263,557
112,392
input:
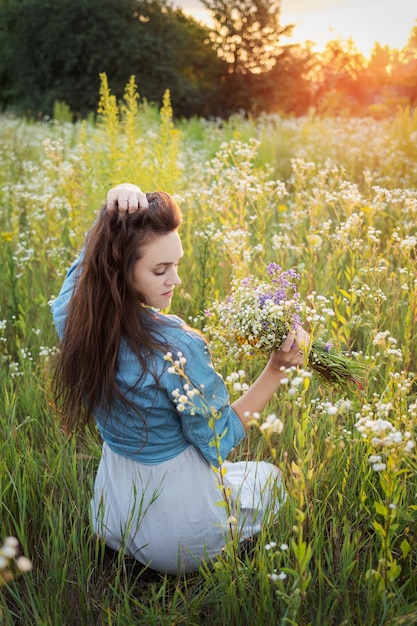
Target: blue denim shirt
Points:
x,y
165,431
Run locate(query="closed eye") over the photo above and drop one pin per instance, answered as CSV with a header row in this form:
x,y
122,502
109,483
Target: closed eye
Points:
x,y
163,271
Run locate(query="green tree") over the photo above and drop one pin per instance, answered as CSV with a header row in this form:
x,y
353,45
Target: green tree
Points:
x,y
380,81
338,77
404,68
55,50
175,54
246,34
285,87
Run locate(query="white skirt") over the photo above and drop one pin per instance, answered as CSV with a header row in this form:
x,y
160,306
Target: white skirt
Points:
x,y
170,516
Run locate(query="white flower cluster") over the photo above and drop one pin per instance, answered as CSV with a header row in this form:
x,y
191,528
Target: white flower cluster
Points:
x,y
409,243
381,433
325,407
384,338
412,409
9,559
272,424
234,182
270,547
275,577
376,461
15,372
283,241
236,380
347,233
384,434
402,381
250,322
182,397
177,364
296,384
46,351
234,241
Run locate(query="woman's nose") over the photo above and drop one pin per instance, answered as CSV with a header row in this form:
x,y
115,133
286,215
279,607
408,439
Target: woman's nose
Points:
x,y
173,278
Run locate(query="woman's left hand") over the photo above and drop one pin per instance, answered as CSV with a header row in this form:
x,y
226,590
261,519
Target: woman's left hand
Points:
x,y
126,198
293,351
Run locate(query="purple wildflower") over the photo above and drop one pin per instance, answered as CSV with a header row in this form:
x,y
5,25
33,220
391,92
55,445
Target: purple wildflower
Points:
x,y
273,268
263,298
280,296
296,321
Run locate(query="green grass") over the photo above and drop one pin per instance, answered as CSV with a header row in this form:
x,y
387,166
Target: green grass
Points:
x,y
332,198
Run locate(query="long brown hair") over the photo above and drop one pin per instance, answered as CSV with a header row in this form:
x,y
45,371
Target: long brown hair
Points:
x,y
105,308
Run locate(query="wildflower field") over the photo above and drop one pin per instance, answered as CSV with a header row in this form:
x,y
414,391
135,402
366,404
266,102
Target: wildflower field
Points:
x,y
333,199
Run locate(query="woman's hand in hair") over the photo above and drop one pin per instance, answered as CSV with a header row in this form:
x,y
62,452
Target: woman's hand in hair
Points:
x,y
126,198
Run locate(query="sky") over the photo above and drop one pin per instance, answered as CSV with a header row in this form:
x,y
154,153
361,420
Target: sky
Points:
x,y
389,22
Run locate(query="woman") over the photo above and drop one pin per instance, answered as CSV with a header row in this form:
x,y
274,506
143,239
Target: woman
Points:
x,y
156,493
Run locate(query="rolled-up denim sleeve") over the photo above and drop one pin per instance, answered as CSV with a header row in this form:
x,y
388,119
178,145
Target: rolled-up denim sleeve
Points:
x,y
203,403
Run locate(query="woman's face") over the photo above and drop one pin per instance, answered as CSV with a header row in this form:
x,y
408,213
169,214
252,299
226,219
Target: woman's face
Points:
x,y
155,275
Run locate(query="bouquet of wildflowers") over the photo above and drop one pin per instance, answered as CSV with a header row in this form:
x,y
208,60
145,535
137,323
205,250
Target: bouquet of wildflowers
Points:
x,y
256,317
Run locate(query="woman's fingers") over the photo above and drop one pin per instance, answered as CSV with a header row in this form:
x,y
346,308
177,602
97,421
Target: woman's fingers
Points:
x,y
288,343
302,339
126,198
294,348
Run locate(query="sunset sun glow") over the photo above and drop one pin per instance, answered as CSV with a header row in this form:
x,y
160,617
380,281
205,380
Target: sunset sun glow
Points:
x,y
364,21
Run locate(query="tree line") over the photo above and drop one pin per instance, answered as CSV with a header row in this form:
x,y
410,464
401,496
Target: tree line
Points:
x,y
54,51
